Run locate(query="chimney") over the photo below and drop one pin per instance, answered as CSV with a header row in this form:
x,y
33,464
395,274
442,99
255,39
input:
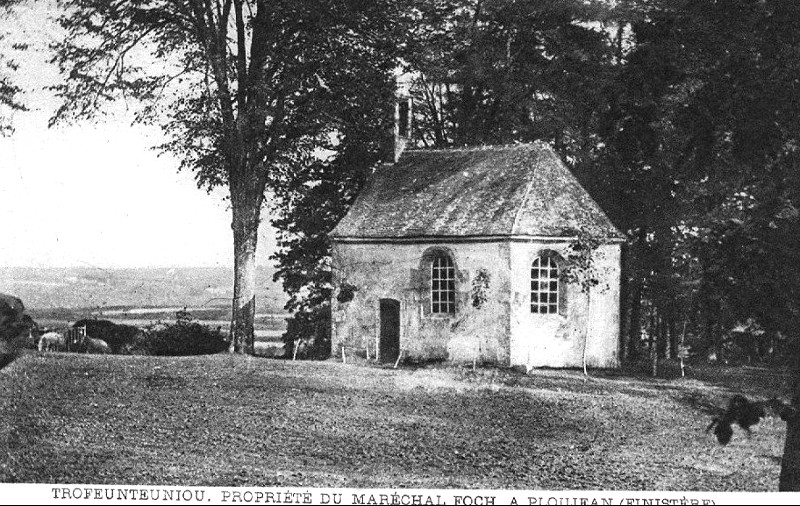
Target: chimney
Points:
x,y
403,115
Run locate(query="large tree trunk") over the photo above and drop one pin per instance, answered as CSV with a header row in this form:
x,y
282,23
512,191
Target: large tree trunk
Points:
x,y
672,330
635,318
653,334
790,464
246,217
625,307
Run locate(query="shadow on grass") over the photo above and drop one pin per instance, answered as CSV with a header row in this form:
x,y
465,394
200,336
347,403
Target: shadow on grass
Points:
x,y
700,402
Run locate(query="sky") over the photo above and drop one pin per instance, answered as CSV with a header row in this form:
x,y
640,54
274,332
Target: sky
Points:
x,y
97,194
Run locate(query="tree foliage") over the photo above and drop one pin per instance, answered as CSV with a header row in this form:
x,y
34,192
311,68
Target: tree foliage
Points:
x,y
246,91
700,155
699,164
680,118
484,72
9,91
311,203
634,97
495,72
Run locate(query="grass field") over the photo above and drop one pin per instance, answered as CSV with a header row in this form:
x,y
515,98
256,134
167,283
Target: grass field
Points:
x,y
225,420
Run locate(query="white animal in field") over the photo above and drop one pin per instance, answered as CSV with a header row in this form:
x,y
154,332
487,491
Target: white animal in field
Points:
x,y
97,346
52,341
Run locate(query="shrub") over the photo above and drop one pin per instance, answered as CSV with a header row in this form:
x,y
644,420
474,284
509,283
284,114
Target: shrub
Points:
x,y
180,338
118,337
312,328
31,337
346,293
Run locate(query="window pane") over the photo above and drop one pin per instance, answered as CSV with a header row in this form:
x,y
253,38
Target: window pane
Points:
x,y
443,285
544,285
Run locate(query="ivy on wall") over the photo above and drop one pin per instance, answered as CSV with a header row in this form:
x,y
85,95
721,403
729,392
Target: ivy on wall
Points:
x,y
480,286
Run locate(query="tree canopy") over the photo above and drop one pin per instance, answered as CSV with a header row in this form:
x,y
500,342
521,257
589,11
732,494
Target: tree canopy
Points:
x,y
680,118
247,92
677,116
9,90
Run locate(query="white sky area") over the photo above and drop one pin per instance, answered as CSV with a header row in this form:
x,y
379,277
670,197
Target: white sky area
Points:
x,y
96,194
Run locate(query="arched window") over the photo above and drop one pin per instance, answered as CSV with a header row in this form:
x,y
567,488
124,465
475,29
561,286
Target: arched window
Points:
x,y
443,285
544,286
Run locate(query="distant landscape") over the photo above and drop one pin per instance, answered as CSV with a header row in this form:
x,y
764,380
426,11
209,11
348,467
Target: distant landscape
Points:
x,y
108,289
57,297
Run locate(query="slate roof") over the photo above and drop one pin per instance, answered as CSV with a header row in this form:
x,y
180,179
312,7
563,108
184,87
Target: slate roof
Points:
x,y
519,190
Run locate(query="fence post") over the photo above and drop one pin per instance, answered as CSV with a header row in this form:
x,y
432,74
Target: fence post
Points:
x,y
399,358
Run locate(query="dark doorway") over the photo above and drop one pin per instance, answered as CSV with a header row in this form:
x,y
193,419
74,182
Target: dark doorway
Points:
x,y
389,348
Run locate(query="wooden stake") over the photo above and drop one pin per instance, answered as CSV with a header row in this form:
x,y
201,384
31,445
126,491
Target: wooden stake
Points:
x,y
399,357
296,346
344,357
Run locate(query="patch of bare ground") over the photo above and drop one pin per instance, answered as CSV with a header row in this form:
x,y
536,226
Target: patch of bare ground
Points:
x,y
231,420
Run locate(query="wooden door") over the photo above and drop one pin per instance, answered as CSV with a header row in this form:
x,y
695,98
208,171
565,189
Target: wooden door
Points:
x,y
389,344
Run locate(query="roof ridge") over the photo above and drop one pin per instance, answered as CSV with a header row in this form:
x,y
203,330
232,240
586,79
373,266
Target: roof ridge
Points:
x,y
585,192
471,191
525,196
482,147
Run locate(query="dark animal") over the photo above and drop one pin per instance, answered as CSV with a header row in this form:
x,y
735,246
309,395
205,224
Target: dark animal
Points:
x,y
745,414
118,337
12,328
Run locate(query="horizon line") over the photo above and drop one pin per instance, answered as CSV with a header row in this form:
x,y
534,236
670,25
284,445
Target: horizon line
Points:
x,y
125,267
